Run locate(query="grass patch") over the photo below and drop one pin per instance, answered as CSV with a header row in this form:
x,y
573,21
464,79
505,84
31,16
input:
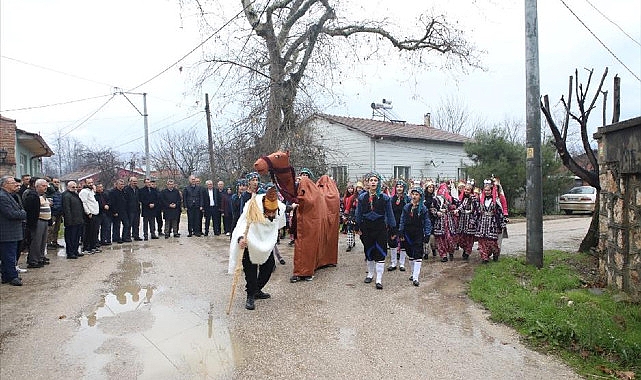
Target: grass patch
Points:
x,y
557,309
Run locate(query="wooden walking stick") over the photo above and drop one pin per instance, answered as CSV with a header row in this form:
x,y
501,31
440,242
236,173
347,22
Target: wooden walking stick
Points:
x,y
253,214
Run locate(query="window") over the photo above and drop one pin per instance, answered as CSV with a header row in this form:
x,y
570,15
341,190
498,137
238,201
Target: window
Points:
x,y
339,173
22,165
402,172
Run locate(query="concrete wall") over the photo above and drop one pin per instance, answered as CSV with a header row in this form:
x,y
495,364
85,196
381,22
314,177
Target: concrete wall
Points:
x,y
620,205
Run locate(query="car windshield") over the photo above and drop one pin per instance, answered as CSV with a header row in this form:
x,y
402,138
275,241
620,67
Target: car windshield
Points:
x,y
582,190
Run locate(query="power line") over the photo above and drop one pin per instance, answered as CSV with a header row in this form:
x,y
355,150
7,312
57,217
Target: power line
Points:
x,y
161,128
88,117
192,50
55,104
56,71
613,23
601,42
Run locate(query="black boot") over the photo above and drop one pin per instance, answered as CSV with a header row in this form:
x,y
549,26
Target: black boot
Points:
x,y
249,304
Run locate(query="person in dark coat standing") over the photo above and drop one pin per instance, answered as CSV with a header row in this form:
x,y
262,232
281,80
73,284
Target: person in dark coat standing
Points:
x,y
193,201
170,201
11,232
133,208
73,213
150,201
227,210
119,214
104,215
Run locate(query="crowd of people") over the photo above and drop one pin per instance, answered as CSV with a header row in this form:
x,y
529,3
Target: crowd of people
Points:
x,y
410,224
34,210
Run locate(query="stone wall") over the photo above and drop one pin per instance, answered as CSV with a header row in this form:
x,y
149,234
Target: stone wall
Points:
x,y
8,142
620,205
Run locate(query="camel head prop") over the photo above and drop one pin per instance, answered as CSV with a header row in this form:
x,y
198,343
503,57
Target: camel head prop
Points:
x,y
281,172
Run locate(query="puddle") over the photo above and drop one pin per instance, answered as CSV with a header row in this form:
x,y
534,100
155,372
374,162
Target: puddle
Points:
x,y
133,332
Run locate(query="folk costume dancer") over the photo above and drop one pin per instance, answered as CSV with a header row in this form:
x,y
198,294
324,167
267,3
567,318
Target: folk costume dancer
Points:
x,y
430,193
374,218
503,200
467,212
415,227
255,234
350,211
490,224
444,227
398,251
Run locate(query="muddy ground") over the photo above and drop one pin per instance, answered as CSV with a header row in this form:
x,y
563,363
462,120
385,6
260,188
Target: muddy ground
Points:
x,y
157,310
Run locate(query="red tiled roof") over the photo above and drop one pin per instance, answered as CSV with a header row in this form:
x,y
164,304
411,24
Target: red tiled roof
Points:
x,y
389,129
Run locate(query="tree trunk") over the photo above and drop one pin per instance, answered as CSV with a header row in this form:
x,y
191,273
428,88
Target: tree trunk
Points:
x,y
591,238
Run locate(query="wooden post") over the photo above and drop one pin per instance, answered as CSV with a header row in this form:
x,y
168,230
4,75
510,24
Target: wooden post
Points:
x,y
616,99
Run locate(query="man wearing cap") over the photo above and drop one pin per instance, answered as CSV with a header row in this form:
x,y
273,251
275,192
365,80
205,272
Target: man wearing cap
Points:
x,y
255,234
374,221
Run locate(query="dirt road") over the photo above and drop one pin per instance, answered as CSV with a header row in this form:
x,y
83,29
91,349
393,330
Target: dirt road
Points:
x,y
156,310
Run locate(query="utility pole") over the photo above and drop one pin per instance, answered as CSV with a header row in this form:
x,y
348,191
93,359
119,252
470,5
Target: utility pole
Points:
x,y
144,110
210,146
534,193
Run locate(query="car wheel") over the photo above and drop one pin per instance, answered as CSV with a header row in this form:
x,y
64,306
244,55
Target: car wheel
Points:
x,y
568,212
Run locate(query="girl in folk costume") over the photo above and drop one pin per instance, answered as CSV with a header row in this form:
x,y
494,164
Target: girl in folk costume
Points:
x,y
415,228
490,223
467,212
349,192
444,226
429,195
350,209
503,201
374,218
398,251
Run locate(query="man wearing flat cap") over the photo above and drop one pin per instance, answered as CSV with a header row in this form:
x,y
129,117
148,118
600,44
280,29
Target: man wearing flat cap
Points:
x,y
255,234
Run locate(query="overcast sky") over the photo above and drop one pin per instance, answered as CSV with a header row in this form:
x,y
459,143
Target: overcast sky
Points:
x,y
56,51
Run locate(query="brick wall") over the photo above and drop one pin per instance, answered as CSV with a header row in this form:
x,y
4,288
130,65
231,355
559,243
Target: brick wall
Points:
x,y
8,142
620,205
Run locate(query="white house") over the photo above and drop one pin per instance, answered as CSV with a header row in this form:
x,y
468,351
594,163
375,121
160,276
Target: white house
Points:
x,y
357,146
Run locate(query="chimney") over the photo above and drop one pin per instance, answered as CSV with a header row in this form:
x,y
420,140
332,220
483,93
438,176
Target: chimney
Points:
x,y
427,120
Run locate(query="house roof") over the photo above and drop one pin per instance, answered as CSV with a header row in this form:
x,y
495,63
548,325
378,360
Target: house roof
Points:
x,y
389,129
80,175
34,142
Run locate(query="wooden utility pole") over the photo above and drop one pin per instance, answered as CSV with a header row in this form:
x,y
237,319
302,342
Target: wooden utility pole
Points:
x,y
534,192
210,145
616,98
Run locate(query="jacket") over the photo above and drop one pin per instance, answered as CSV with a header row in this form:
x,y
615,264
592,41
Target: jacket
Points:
x,y
193,196
73,210
132,197
11,218
118,202
168,197
31,204
89,202
147,196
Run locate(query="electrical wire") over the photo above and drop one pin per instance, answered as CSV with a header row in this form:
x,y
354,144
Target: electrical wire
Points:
x,y
88,117
55,104
159,129
613,23
192,50
601,42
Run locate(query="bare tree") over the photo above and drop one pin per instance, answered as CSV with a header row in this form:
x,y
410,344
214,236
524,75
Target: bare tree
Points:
x,y
105,161
589,174
182,152
299,43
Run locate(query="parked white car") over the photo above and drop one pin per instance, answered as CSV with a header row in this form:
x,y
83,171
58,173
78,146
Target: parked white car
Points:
x,y
580,198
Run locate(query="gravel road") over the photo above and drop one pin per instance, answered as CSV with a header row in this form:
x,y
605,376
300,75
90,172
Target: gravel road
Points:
x,y
157,310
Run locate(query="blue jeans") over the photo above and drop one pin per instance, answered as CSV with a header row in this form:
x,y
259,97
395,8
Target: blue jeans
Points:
x,y
8,256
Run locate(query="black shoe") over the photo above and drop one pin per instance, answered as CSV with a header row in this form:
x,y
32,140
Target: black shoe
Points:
x,y
466,256
426,256
46,259
176,235
52,246
119,241
166,236
249,304
415,282
282,261
434,253
126,240
198,235
72,257
79,254
291,243
348,249
293,279
206,233
145,238
379,285
368,280
262,295
35,265
137,239
444,259
495,257
189,235
107,243
154,237
391,268
451,256
401,268
15,282
43,263
485,261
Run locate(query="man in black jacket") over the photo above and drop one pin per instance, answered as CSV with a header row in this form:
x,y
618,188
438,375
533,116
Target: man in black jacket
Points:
x,y
119,215
170,201
193,201
150,208
133,208
74,219
104,215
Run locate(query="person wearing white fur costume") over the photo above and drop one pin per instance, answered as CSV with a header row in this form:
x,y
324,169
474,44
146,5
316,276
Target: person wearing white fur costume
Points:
x,y
254,237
